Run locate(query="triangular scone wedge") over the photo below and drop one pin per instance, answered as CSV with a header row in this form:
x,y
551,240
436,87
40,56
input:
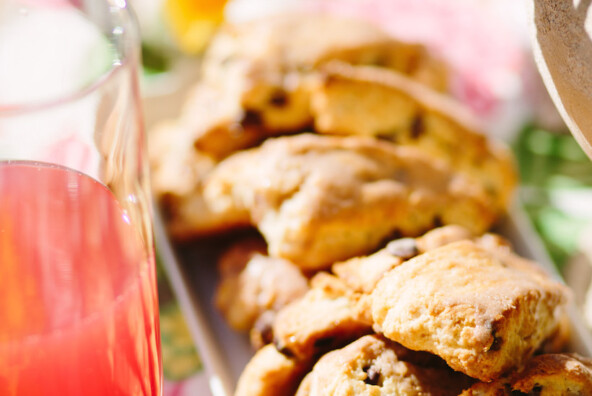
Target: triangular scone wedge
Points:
x,y
372,101
261,69
319,199
482,314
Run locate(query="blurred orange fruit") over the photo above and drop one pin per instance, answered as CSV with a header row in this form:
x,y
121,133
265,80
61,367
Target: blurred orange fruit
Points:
x,y
192,22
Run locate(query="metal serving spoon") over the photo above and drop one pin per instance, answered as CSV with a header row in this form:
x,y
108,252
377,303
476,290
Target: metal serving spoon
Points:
x,y
563,53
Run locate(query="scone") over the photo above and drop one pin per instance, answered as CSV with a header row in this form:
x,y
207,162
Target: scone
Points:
x,y
543,375
483,314
218,123
371,365
370,101
270,373
177,173
262,70
328,316
252,283
175,165
320,199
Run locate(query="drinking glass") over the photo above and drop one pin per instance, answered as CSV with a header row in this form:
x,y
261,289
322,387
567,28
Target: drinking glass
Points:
x,y
78,300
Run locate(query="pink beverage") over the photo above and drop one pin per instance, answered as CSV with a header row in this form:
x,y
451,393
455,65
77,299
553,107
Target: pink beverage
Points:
x,y
78,303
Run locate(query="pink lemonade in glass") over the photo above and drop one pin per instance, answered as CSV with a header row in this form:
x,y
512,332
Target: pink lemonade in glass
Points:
x,y
78,304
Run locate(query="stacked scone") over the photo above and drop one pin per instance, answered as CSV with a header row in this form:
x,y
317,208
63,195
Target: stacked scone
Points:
x,y
373,193
441,314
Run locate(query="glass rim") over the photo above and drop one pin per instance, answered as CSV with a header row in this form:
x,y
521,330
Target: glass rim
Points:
x,y
130,35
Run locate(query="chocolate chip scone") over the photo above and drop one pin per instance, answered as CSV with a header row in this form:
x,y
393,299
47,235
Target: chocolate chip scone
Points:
x,y
373,365
543,375
218,124
370,101
262,69
253,283
328,316
319,199
175,165
482,313
271,373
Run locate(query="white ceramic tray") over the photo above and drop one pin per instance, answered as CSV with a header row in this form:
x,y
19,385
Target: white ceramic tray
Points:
x,y
192,272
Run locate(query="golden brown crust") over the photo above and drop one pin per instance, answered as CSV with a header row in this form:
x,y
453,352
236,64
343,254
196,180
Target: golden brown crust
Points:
x,y
189,216
371,365
270,373
262,71
175,165
556,374
359,100
442,236
362,273
328,316
218,123
558,341
265,62
495,388
543,375
319,199
253,283
482,315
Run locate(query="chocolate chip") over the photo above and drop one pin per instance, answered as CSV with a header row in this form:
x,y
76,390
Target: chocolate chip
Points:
x,y
252,118
537,390
284,350
262,332
279,98
497,340
496,345
373,375
324,342
438,222
404,248
417,127
391,136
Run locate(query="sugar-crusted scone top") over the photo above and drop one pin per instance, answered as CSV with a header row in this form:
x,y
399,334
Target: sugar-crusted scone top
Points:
x,y
481,314
318,199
